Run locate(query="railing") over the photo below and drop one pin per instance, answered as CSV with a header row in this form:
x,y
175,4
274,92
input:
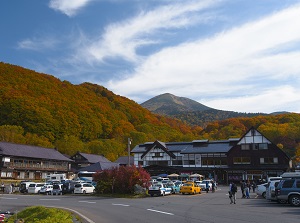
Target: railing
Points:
x,y
35,166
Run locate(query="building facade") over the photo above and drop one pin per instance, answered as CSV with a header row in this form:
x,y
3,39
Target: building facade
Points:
x,y
250,157
25,162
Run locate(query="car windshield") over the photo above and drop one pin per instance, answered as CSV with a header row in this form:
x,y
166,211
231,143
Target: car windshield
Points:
x,y
78,185
188,184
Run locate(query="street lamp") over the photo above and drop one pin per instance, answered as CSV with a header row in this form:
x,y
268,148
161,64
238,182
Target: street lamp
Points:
x,y
129,142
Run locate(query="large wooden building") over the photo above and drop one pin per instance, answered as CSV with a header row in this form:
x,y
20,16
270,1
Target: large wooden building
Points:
x,y
250,157
25,162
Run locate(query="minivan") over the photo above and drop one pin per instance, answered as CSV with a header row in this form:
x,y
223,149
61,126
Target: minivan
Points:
x,y
24,186
34,188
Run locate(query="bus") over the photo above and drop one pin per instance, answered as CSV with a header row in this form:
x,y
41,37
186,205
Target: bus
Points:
x,y
85,175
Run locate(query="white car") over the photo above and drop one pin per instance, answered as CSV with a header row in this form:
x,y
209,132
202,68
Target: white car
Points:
x,y
84,188
159,189
46,189
261,190
35,188
203,185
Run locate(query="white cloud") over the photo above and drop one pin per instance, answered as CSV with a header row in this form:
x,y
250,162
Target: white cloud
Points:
x,y
124,38
232,64
37,44
267,100
68,7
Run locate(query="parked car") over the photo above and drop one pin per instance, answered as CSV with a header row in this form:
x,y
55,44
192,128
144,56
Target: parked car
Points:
x,y
203,184
23,188
84,188
261,190
68,187
159,189
175,188
46,189
270,190
289,190
190,188
57,189
35,188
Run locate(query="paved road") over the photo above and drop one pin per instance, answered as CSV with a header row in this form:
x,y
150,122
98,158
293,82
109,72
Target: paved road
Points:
x,y
208,208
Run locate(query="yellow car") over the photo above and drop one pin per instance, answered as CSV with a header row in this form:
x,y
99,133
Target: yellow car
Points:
x,y
190,188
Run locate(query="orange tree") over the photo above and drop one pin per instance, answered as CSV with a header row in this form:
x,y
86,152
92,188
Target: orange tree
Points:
x,y
121,179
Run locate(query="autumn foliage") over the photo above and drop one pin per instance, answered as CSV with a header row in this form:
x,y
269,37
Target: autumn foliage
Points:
x,y
39,109
121,180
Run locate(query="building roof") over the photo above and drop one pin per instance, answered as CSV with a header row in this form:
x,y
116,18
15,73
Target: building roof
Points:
x,y
196,146
93,158
99,166
124,160
36,152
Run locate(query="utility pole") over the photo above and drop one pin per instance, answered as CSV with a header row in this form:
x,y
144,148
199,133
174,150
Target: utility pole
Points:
x,y
129,142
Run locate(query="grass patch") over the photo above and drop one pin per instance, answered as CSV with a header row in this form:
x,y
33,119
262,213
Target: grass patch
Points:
x,y
40,214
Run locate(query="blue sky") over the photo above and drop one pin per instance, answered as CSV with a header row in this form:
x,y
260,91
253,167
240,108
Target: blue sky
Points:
x,y
237,55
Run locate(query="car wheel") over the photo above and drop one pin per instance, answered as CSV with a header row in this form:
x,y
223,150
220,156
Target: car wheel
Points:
x,y
264,194
163,194
294,200
194,192
84,192
151,195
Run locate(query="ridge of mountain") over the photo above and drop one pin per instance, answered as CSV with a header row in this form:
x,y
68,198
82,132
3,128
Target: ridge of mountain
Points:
x,y
169,104
189,111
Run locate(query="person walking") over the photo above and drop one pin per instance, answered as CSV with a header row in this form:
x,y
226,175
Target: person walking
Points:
x,y
243,186
253,186
207,186
213,187
232,192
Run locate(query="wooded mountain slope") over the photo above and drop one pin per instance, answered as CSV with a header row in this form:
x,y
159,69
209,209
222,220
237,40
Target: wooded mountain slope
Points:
x,y
39,109
77,117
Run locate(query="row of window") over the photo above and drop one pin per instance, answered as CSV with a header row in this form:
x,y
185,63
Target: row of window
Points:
x,y
262,160
207,161
254,146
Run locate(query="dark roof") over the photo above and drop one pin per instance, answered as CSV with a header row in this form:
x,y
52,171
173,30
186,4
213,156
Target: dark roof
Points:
x,y
124,160
19,150
99,166
196,146
93,158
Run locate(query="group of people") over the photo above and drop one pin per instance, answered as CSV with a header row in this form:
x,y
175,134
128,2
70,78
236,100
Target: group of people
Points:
x,y
245,189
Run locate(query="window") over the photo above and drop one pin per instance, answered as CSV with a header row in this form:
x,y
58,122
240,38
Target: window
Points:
x,y
241,160
255,146
288,184
157,154
262,146
245,147
269,160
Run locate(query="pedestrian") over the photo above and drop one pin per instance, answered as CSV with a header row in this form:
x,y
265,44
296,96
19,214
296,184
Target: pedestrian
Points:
x,y
243,186
207,186
253,186
247,192
213,186
232,192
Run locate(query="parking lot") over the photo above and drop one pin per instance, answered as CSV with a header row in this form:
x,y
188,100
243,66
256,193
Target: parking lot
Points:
x,y
206,207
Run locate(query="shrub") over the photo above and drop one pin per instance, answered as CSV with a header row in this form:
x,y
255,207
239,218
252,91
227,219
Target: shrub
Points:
x,y
121,179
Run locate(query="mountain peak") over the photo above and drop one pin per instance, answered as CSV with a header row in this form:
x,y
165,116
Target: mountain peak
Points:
x,y
169,104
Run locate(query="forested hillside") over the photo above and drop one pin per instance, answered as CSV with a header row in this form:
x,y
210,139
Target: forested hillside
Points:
x,y
39,109
282,129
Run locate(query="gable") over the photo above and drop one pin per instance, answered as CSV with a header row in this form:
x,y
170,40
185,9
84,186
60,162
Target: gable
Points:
x,y
158,147
253,136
